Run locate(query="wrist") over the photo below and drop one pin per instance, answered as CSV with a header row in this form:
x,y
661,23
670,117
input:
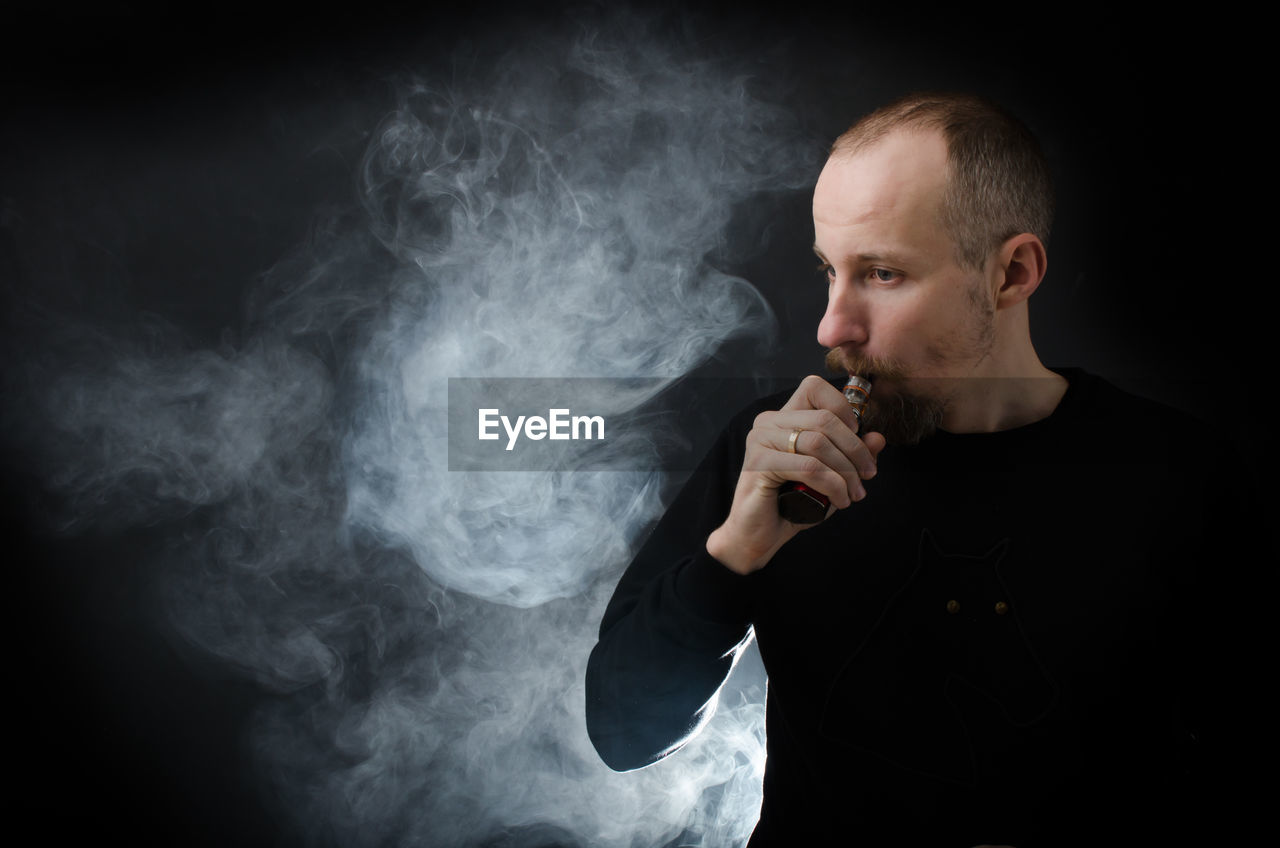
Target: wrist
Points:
x,y
734,555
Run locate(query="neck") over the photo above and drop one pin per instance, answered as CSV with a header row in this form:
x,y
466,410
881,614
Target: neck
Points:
x,y
1007,389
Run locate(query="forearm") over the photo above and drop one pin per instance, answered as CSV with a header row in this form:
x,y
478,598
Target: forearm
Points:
x,y
653,675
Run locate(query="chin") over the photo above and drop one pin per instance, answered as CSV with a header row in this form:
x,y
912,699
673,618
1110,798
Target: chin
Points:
x,y
903,418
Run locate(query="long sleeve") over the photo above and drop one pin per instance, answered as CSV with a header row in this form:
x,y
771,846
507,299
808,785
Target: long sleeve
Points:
x,y
668,636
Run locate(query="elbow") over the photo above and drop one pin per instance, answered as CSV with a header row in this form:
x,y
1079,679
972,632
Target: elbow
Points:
x,y
613,733
634,744
616,750
627,748
621,728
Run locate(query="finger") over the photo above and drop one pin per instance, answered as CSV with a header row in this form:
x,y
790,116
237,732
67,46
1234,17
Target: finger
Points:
x,y
875,443
814,453
777,427
819,446
841,489
816,393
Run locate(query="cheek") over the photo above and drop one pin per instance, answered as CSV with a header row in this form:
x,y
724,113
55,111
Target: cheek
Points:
x,y
908,325
929,334
967,333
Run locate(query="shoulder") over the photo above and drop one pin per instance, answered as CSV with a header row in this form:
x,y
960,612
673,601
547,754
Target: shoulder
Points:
x,y
727,448
744,418
1099,407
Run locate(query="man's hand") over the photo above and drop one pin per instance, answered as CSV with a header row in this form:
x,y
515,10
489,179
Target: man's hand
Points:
x,y
829,458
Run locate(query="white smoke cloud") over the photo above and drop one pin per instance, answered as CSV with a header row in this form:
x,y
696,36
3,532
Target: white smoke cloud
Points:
x,y
552,224
427,631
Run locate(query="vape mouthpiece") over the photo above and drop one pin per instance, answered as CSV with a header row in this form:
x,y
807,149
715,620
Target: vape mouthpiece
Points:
x,y
798,503
858,392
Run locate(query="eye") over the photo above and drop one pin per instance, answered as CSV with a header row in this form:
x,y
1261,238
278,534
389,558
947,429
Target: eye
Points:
x,y
884,275
827,271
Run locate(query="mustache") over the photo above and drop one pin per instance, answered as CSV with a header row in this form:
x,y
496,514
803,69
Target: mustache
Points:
x,y
839,361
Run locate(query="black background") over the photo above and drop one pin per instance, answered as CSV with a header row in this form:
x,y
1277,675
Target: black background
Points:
x,y
166,147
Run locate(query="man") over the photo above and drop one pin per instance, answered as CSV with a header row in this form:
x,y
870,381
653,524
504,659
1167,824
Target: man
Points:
x,y
989,637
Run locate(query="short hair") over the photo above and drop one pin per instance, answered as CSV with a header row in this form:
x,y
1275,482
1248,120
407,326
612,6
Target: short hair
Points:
x,y
998,181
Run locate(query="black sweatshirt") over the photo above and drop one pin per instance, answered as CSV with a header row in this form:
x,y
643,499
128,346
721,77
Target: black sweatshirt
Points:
x,y
1015,638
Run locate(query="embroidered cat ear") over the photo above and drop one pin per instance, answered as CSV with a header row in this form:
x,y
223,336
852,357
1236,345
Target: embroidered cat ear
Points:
x,y
998,550
994,554
927,538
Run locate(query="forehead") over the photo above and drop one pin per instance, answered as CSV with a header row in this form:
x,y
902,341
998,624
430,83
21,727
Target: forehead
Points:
x,y
902,174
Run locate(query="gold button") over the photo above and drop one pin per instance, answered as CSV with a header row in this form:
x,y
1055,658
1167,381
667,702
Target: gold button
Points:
x,y
953,607
1001,608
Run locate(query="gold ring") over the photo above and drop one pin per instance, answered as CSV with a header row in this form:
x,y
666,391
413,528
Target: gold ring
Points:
x,y
791,443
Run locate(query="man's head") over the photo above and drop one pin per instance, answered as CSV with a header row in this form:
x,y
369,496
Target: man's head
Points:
x,y
930,219
997,182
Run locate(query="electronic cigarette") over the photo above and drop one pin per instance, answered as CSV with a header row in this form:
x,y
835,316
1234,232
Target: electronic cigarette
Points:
x,y
798,503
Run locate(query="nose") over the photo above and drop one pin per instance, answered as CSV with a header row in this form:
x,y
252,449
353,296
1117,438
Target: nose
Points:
x,y
845,321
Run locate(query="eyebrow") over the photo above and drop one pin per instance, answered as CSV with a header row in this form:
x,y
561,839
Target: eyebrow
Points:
x,y
890,258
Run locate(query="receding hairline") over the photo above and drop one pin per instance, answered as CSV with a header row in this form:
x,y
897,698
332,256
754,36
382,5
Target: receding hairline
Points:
x,y
936,111
844,149
850,152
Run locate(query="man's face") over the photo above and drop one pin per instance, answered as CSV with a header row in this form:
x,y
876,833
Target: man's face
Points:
x,y
900,309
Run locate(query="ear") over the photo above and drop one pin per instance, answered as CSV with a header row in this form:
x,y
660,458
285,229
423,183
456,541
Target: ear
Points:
x,y
1020,266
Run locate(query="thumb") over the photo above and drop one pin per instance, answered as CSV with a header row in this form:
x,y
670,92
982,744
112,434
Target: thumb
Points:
x,y
875,443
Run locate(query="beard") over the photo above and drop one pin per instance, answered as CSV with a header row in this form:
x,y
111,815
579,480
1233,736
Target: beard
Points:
x,y
904,415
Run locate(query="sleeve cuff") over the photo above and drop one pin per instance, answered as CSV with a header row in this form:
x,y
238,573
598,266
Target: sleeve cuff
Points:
x,y
713,592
